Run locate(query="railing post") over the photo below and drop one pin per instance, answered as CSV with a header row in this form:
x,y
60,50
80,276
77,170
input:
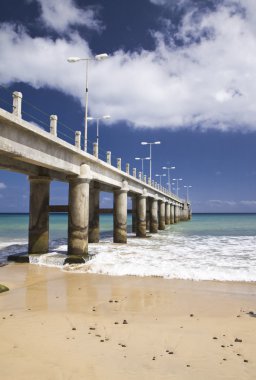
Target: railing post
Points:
x,y
134,172
95,150
149,181
119,164
127,168
145,178
53,125
78,139
140,176
109,157
16,104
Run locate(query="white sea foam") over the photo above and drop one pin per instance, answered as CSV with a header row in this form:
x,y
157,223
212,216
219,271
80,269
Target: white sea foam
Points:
x,y
166,254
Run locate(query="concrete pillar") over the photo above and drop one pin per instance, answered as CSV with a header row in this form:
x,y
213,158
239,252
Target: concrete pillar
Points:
x,y
119,163
154,216
134,172
162,216
172,214
53,124
94,217
141,216
148,201
16,103
167,213
176,216
134,219
120,216
109,157
127,168
78,216
78,139
38,238
95,150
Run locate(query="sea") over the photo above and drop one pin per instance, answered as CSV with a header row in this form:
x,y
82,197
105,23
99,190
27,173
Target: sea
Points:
x,y
218,247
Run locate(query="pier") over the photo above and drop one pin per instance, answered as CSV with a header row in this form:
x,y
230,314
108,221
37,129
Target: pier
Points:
x,y
44,157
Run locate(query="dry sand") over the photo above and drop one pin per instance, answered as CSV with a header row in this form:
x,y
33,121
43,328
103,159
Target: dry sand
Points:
x,y
59,325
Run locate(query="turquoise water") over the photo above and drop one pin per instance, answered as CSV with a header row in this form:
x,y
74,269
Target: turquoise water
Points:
x,y
210,246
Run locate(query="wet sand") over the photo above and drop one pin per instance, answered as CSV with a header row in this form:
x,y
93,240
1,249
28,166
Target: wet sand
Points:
x,y
61,325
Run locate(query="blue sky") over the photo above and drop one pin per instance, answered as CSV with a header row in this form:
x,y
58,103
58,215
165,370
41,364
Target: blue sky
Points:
x,y
180,72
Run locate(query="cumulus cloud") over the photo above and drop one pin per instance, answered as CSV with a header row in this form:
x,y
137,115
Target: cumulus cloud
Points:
x,y
206,81
2,186
61,15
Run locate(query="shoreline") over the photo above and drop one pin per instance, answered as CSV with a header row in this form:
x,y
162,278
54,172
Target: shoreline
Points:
x,y
60,325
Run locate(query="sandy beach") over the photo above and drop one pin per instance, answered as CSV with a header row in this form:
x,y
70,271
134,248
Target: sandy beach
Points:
x,y
62,325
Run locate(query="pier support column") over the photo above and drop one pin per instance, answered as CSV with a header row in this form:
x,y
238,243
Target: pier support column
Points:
x,y
154,216
78,216
148,201
167,214
38,238
176,214
120,214
94,217
172,214
134,214
162,216
141,216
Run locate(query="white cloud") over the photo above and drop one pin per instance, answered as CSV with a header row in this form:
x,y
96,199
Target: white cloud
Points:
x,y
61,15
2,185
248,203
221,203
208,81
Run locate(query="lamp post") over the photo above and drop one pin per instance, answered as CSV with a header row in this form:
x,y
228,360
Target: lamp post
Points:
x,y
98,57
177,186
150,154
105,117
160,176
168,168
142,163
187,187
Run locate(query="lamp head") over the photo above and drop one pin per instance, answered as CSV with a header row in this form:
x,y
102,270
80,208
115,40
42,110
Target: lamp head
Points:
x,y
73,59
157,142
89,118
100,57
144,143
106,117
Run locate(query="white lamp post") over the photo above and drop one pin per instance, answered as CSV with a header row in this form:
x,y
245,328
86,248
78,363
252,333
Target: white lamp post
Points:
x,y
187,187
98,57
105,117
150,154
160,176
142,163
177,186
168,168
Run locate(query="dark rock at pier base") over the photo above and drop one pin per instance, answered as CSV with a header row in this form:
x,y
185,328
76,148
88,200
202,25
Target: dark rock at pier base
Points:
x,y
20,258
3,288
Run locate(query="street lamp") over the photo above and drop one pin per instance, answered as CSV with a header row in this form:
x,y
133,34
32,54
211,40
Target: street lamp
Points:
x,y
188,187
142,162
177,182
105,117
160,176
150,153
168,168
98,57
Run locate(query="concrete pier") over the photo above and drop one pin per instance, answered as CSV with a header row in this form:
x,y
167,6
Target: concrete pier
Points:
x,y
120,214
167,213
154,216
94,217
38,238
134,216
172,214
78,216
162,215
141,216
